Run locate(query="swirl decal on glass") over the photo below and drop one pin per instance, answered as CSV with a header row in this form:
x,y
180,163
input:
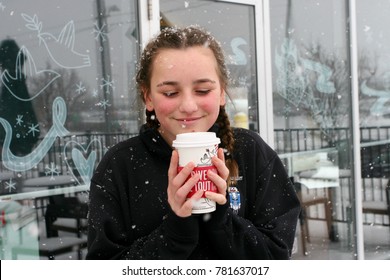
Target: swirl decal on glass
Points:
x,y
324,73
293,69
292,82
23,163
239,57
383,95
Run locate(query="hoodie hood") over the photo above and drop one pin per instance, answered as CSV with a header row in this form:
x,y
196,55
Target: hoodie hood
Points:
x,y
154,142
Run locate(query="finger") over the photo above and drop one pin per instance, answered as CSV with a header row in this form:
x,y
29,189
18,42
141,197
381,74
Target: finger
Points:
x,y
196,196
177,197
217,197
184,173
219,163
186,209
172,171
218,181
221,154
183,191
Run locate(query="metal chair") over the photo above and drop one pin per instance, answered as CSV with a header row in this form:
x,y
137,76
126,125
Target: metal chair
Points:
x,y
378,207
55,244
67,214
309,201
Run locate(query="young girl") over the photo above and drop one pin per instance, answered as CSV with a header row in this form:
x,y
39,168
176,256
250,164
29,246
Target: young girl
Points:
x,y
138,206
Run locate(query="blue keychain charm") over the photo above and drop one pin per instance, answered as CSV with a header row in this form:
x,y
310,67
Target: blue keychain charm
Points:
x,y
235,199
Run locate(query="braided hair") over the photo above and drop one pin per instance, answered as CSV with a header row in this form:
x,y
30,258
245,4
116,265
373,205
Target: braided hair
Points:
x,y
181,38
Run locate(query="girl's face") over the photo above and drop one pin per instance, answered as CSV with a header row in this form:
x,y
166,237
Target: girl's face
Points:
x,y
185,91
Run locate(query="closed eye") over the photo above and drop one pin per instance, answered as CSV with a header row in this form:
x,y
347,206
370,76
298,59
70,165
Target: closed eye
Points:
x,y
203,91
170,93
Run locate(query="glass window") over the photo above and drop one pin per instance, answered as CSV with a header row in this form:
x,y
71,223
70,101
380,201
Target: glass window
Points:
x,y
311,97
374,96
67,94
238,40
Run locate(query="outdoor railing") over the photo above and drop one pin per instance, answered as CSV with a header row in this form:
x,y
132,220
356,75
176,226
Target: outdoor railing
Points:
x,y
289,142
375,163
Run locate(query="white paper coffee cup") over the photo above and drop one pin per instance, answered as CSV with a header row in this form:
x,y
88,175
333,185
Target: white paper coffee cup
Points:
x,y
199,147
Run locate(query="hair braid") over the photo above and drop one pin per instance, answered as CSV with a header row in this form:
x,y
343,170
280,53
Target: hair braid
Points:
x,y
151,119
225,133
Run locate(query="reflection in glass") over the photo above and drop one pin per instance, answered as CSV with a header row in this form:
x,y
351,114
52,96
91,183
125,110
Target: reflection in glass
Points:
x,y
16,107
311,118
374,73
238,40
67,93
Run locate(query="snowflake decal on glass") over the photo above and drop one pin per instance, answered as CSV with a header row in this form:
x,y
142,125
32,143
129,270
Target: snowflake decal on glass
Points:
x,y
99,32
33,129
80,88
52,170
10,185
104,104
107,84
19,120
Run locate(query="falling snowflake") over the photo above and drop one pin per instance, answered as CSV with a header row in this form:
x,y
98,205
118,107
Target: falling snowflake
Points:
x,y
52,170
10,185
2,7
99,32
95,93
243,81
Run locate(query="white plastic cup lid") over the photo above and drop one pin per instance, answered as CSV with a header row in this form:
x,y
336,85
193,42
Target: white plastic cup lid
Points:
x,y
195,139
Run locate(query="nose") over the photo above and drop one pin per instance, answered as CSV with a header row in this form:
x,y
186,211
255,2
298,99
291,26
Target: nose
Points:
x,y
188,104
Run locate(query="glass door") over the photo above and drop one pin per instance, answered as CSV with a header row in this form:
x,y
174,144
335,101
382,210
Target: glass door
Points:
x,y
66,96
312,119
374,97
238,38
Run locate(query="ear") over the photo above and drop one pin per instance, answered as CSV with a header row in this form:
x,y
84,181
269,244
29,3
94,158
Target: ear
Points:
x,y
222,101
147,100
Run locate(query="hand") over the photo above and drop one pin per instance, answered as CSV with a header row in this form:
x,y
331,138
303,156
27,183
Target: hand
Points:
x,y
178,188
219,179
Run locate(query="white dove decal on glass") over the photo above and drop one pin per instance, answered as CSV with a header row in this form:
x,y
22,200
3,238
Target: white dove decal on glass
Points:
x,y
60,49
28,69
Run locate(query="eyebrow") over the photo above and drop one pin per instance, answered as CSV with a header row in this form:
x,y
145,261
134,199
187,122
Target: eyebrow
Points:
x,y
167,83
173,83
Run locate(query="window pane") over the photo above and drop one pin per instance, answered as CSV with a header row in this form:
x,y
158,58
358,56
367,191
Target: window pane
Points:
x,y
311,83
238,40
374,73
67,94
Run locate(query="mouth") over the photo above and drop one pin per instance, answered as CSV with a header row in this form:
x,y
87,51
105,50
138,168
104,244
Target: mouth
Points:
x,y
188,121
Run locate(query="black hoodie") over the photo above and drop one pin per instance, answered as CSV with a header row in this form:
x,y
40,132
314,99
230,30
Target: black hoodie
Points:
x,y
129,216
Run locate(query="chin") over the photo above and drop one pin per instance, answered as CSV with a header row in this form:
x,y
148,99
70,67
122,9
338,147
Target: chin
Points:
x,y
187,130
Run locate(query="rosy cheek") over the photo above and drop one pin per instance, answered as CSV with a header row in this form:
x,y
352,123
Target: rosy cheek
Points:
x,y
165,108
208,105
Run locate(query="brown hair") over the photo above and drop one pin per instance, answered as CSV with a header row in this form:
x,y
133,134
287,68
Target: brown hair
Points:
x,y
181,38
